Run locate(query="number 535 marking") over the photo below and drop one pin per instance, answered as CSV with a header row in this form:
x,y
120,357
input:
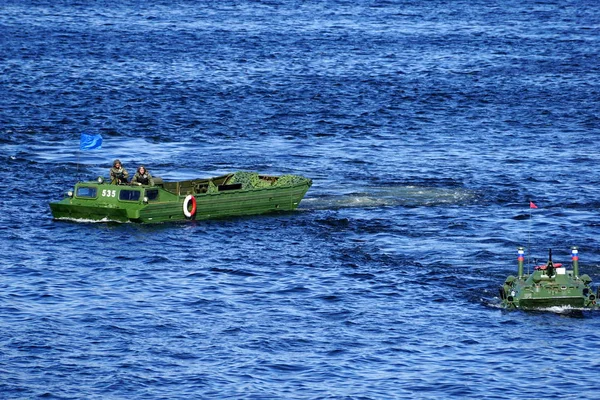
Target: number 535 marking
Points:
x,y
109,193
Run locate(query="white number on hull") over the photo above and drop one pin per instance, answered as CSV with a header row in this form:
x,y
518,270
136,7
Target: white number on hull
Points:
x,y
109,193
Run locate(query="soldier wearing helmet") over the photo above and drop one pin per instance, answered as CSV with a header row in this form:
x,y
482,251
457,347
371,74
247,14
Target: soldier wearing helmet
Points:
x,y
118,174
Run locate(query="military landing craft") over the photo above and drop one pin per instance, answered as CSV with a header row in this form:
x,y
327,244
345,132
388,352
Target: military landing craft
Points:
x,y
550,285
235,194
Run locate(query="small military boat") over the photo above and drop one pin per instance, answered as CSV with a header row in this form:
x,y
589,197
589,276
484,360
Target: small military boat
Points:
x,y
235,194
550,285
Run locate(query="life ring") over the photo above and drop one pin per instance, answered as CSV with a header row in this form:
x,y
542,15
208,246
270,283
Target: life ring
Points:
x,y
186,202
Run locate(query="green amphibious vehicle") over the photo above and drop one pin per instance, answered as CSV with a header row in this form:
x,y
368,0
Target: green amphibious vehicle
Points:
x,y
550,285
235,194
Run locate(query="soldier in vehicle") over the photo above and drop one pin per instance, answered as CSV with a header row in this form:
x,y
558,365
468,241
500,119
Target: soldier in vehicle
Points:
x,y
142,177
118,174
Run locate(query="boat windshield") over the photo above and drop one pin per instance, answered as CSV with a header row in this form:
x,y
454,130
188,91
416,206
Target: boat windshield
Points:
x,y
86,191
152,194
129,195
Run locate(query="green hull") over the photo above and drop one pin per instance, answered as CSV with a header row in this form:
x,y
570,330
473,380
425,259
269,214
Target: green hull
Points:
x,y
567,292
230,195
549,302
550,285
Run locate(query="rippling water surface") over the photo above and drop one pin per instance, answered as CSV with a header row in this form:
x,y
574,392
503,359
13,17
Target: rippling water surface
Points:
x,y
427,127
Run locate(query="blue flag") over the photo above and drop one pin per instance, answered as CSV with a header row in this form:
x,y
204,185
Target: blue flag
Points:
x,y
90,142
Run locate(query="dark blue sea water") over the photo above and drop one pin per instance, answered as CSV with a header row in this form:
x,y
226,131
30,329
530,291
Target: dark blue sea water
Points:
x,y
426,126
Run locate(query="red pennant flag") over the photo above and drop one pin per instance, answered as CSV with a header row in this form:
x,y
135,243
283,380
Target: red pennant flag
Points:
x,y
532,205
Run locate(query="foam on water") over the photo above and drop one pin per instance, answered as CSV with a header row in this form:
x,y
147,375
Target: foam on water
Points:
x,y
92,221
412,196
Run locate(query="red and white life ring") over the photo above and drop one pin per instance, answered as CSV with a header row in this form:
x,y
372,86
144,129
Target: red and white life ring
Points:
x,y
186,202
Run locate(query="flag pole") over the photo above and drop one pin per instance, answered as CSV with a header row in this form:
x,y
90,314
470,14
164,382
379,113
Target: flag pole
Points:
x,y
529,239
531,207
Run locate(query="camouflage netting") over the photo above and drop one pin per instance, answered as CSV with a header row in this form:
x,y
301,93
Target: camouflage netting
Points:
x,y
251,180
285,180
212,188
